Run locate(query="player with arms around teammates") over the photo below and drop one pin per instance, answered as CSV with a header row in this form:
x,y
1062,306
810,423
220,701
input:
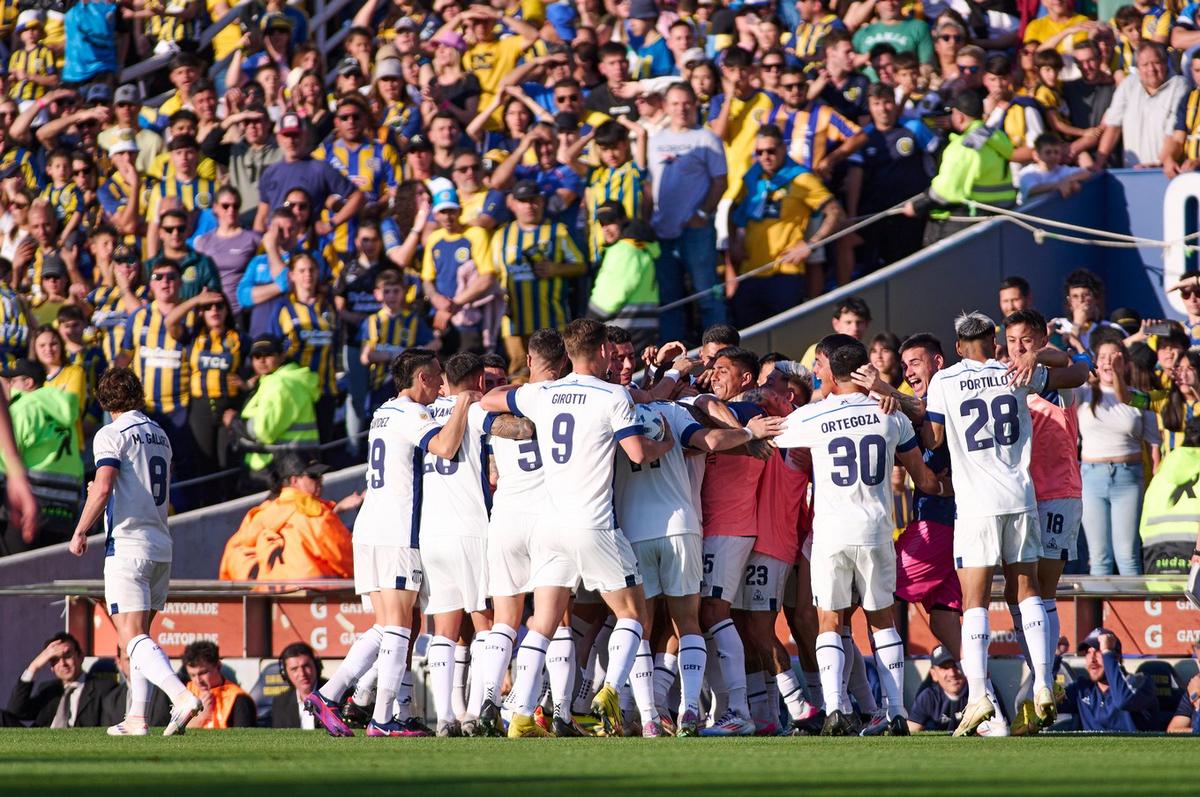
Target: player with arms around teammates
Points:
x,y
853,444
133,480
387,558
978,406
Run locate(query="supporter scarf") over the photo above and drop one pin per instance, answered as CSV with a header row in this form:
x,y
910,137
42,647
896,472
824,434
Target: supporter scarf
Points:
x,y
759,187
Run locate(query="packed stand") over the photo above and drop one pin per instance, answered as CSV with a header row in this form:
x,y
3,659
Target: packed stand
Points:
x,y
258,222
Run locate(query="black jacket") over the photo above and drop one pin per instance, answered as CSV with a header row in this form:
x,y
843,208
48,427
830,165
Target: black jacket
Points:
x,y
285,712
40,705
158,712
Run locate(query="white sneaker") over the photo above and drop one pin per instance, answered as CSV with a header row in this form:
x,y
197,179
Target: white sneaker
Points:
x,y
996,726
181,715
974,715
731,724
121,729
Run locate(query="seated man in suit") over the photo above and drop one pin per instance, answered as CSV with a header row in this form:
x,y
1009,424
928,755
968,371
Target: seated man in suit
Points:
x,y
71,700
225,704
157,714
300,667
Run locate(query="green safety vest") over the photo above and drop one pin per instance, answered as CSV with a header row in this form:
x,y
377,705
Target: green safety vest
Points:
x,y
281,414
625,292
46,430
1171,510
975,166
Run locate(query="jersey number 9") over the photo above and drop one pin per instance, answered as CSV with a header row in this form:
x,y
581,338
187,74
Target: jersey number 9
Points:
x,y
562,432
375,472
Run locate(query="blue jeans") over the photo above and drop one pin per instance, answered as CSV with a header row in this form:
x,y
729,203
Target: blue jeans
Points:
x,y
357,411
694,252
1112,509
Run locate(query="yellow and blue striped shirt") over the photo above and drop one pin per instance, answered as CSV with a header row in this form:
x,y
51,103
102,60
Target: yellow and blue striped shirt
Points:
x,y
308,333
38,61
64,199
14,328
194,194
624,184
159,360
109,317
806,41
391,334
372,166
533,302
214,360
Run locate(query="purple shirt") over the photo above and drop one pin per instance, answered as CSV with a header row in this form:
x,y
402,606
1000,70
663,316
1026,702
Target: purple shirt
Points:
x,y
318,178
231,256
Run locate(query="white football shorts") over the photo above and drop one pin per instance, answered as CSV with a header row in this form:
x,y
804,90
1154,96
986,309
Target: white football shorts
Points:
x,y
764,584
456,571
997,539
1060,520
842,574
725,561
671,566
135,585
508,555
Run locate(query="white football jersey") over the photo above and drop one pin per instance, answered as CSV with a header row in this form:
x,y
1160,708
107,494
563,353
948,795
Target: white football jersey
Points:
x,y
391,509
455,493
136,516
853,445
696,466
579,420
988,430
519,484
655,500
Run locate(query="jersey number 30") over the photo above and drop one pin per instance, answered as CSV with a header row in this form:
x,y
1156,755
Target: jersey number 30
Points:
x,y
866,461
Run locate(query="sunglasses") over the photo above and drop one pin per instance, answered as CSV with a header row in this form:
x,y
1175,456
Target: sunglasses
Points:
x,y
762,152
296,205
568,98
349,117
79,172
46,277
970,70
226,205
951,37
469,167
172,230
164,276
790,86
257,120
1188,293
772,67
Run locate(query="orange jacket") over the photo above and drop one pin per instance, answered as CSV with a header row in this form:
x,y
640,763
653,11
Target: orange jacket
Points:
x,y
224,696
294,536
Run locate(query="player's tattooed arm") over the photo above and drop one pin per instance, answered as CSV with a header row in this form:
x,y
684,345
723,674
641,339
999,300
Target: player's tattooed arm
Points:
x,y
510,427
912,407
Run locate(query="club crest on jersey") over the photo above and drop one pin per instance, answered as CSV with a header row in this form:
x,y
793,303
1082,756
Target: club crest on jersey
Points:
x,y
461,254
204,200
904,145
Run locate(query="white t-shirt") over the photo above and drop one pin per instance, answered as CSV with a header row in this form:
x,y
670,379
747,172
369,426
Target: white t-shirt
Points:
x,y
655,500
455,493
391,510
989,430
853,444
1032,175
579,420
136,516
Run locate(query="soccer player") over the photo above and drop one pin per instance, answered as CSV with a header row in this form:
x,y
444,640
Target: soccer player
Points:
x,y
133,476
1054,469
655,509
982,413
580,420
387,558
853,444
518,501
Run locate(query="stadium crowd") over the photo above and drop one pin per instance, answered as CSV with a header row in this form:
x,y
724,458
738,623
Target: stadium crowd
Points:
x,y
259,224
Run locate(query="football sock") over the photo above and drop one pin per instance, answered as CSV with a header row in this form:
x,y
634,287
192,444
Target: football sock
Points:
x,y
812,685
1052,631
404,698
666,666
831,659
393,653
497,652
560,661
756,696
772,714
628,705
990,690
137,700
692,658
975,640
440,660
462,660
364,687
716,682
531,658
732,656
1033,617
475,681
858,684
889,666
641,680
359,659
623,646
1018,622
147,658
791,692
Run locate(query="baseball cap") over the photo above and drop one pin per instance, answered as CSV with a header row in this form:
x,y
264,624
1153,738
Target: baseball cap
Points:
x,y
183,142
127,94
349,66
968,103
289,124
445,198
1092,641
450,38
565,120
26,367
98,94
1127,318
940,657
125,142
638,230
418,143
53,266
389,67
266,344
562,17
30,18
276,21
610,212
406,23
526,191
289,464
694,55
493,158
643,9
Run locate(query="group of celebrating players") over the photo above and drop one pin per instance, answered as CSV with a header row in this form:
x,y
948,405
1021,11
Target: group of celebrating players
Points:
x,y
662,527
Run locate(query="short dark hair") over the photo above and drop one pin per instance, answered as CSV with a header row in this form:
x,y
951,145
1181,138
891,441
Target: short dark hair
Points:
x,y
737,56
1020,283
610,134
617,334
837,36
1046,139
405,365
770,131
69,312
63,636
583,337
844,354
883,48
493,360
463,366
1051,58
295,650
547,345
120,390
1029,317
1083,278
609,49
880,91
923,340
852,304
743,358
201,652
904,60
726,334
772,357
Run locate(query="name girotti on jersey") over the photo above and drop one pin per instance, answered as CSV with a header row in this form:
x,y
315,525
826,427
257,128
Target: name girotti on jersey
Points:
x,y
569,398
852,422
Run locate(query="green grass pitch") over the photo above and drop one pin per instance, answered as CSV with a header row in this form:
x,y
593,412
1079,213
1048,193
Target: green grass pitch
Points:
x,y
263,762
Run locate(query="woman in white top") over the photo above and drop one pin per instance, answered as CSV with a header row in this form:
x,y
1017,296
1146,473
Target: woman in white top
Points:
x,y
1112,435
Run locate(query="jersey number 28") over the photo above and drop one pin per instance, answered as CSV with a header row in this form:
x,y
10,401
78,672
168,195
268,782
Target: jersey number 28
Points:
x,y
1003,412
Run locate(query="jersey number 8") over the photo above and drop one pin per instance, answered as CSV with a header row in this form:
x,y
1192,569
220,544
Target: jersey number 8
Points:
x,y
158,480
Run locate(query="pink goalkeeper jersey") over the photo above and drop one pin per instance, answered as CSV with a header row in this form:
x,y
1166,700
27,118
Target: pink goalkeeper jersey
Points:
x,y
729,497
781,492
1054,462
